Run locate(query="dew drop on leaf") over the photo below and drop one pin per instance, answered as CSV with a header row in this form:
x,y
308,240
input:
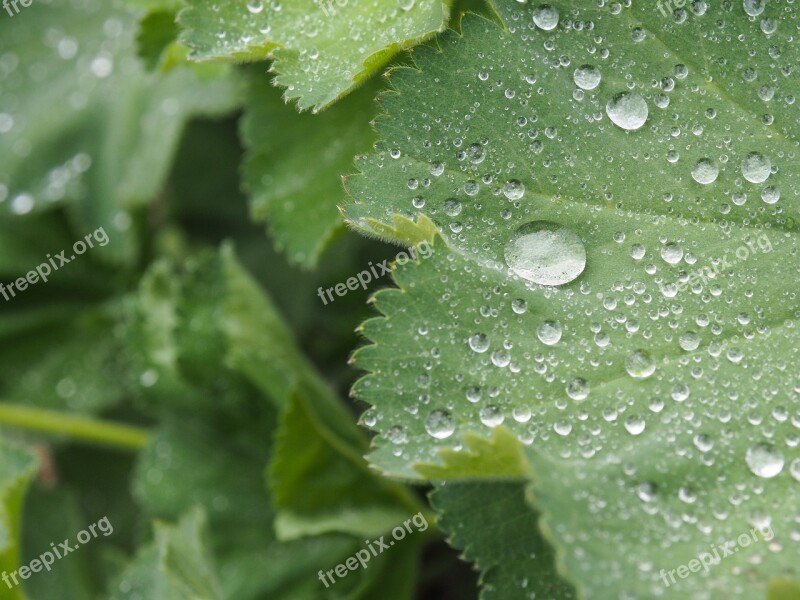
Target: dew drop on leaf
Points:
x,y
452,207
634,424
753,7
546,253
578,389
514,189
479,342
440,424
255,6
549,332
705,171
519,306
794,469
491,416
764,460
640,364
689,341
672,253
756,167
627,110
647,492
545,17
587,77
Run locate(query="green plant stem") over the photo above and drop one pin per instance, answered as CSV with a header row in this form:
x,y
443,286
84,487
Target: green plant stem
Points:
x,y
80,428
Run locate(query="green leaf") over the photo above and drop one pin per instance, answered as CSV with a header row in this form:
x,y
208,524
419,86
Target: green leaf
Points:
x,y
321,485
263,404
157,32
500,457
321,49
17,468
784,590
63,360
50,517
514,560
99,136
652,388
177,566
294,165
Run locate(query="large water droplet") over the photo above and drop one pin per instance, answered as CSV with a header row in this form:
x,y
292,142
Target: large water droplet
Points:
x,y
640,364
764,460
545,253
440,424
627,110
756,167
545,17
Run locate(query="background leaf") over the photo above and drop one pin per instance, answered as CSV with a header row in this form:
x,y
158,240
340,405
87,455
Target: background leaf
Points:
x,y
17,468
295,162
321,50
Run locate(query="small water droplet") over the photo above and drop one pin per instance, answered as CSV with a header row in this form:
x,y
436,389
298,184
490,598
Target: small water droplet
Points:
x,y
689,341
514,189
634,424
519,306
794,469
545,17
703,442
479,342
440,424
491,416
452,207
627,110
587,77
397,435
640,364
753,7
705,171
549,332
672,253
578,389
764,460
255,6
647,491
756,167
